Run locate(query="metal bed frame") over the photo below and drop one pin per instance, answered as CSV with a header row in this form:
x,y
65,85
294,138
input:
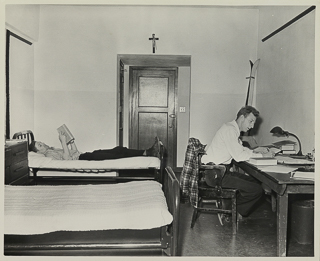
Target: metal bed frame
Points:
x,y
123,174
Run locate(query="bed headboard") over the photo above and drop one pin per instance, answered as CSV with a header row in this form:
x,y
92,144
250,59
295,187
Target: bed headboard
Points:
x,y
24,135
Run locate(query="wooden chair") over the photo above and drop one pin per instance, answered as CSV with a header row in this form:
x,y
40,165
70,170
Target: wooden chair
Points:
x,y
211,192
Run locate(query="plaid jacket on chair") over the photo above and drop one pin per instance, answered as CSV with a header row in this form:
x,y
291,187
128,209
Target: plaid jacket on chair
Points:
x,y
190,172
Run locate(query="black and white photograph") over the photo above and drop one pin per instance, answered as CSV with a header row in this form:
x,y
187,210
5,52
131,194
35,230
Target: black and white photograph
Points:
x,y
160,129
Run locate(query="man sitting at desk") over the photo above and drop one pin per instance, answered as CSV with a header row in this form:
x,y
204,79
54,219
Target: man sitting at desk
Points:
x,y
225,146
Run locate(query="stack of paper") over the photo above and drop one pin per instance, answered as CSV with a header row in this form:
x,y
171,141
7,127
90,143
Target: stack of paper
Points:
x,y
277,169
302,175
289,160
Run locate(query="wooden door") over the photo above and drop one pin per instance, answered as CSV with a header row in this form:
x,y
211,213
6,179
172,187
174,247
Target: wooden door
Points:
x,y
153,109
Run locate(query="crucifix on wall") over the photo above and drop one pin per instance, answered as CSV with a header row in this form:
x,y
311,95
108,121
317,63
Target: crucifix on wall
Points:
x,y
153,42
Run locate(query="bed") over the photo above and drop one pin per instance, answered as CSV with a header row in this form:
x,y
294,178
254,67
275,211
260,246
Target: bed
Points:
x,y
139,217
135,168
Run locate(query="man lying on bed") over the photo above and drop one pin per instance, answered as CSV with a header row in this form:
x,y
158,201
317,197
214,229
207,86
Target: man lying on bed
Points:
x,y
72,153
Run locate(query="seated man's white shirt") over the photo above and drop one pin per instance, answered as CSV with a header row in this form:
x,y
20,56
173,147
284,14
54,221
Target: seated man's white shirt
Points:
x,y
226,146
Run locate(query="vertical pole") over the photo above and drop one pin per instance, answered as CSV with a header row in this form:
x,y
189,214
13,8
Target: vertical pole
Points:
x,y
7,86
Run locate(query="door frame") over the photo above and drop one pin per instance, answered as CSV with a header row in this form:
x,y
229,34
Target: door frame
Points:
x,y
146,60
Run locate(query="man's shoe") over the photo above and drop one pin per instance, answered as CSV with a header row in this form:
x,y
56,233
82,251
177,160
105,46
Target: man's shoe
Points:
x,y
224,219
154,151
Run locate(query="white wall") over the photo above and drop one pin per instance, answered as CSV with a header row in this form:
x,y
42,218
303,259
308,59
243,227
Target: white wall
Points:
x,y
21,97
183,118
22,20
286,75
76,61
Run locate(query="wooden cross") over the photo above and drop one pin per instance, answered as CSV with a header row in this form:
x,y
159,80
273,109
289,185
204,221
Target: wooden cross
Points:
x,y
153,42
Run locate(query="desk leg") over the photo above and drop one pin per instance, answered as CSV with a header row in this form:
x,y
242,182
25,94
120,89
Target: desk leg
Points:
x,y
282,220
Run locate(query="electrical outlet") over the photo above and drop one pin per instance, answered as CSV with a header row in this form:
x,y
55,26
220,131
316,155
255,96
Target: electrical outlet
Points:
x,y
182,109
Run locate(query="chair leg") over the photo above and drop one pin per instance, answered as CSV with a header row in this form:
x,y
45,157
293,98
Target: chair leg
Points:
x,y
273,202
219,203
234,215
194,217
196,213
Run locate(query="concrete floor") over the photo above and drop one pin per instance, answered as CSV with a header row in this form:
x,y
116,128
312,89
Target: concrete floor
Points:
x,y
256,236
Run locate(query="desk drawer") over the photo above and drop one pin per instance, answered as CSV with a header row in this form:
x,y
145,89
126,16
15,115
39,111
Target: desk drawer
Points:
x,y
18,152
7,176
16,170
8,156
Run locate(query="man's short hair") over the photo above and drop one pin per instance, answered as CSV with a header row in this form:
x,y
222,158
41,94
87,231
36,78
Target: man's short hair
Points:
x,y
246,110
32,146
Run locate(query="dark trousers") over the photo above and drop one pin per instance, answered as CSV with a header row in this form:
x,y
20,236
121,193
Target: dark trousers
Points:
x,y
250,190
115,153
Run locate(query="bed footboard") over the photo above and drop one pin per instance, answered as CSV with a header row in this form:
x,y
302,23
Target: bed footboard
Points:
x,y
170,233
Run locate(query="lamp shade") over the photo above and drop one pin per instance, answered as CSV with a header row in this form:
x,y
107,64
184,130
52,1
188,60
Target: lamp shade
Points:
x,y
279,131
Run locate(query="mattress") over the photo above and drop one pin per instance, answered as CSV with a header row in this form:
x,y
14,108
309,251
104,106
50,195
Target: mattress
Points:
x,y
40,161
44,209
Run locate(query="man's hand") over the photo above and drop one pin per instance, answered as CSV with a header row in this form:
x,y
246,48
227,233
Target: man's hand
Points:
x,y
66,152
261,150
269,154
62,137
265,152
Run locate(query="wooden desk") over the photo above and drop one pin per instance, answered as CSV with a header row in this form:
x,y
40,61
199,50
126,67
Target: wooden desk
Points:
x,y
282,185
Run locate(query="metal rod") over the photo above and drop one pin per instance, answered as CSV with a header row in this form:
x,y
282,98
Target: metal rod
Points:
x,y
290,22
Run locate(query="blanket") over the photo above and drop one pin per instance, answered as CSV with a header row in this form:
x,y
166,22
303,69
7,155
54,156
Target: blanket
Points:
x,y
43,209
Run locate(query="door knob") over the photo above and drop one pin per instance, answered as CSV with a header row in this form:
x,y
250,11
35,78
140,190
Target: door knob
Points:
x,y
172,116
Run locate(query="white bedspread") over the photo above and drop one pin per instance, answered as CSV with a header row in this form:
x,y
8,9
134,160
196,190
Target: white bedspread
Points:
x,y
42,209
40,161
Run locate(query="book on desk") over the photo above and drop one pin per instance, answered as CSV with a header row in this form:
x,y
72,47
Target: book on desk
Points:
x,y
286,146
263,161
302,175
298,169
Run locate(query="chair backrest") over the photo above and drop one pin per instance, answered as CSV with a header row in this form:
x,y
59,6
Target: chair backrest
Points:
x,y
24,135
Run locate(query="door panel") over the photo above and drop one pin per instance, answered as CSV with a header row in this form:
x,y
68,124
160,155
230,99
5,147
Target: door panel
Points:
x,y
153,92
151,125
153,109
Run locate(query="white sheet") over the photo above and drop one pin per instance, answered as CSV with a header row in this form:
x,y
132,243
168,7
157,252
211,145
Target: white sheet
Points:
x,y
60,173
40,161
42,209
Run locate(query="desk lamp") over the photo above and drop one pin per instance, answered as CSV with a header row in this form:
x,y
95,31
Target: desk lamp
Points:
x,y
279,131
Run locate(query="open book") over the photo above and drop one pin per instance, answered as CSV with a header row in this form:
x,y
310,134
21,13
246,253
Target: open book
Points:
x,y
63,128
